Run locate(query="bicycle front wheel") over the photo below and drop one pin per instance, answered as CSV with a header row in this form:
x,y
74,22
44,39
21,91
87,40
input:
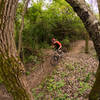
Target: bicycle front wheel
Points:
x,y
54,60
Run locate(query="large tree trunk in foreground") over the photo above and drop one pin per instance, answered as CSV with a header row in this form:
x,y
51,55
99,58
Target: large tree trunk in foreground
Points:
x,y
93,27
10,65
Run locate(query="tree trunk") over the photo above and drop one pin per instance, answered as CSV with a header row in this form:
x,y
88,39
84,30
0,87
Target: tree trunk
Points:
x,y
10,65
22,25
93,28
98,1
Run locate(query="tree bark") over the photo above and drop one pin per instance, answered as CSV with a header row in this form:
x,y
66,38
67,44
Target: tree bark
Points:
x,y
92,26
98,1
10,64
22,25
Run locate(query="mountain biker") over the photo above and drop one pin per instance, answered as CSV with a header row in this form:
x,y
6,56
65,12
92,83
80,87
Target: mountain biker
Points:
x,y
57,45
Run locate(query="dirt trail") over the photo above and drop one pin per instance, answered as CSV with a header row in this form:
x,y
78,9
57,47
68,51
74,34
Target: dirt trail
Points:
x,y
39,74
77,46
79,69
45,69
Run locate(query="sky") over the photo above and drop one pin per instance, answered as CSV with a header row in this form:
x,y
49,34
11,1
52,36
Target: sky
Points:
x,y
93,5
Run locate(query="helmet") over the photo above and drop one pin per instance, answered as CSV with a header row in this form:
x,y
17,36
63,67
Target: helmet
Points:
x,y
53,39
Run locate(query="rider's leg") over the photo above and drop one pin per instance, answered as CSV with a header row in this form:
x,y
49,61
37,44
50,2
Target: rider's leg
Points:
x,y
59,51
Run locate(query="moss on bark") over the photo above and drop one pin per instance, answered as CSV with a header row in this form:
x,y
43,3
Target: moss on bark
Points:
x,y
10,73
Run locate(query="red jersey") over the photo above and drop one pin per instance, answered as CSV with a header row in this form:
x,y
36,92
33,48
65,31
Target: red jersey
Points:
x,y
57,45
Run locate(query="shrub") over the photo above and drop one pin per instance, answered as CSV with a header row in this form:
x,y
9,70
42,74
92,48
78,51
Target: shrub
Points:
x,y
66,42
1,80
44,45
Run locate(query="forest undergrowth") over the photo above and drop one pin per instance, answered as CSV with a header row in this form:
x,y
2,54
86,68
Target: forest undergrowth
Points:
x,y
71,79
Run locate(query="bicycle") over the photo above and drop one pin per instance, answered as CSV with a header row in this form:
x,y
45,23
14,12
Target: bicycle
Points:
x,y
56,57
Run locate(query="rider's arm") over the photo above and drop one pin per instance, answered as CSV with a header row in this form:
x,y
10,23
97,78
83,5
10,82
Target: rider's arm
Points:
x,y
60,45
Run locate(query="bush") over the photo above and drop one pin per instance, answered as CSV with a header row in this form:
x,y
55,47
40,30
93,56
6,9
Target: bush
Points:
x,y
1,80
44,45
66,42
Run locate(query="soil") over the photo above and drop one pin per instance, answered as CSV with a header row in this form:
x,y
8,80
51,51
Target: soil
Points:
x,y
44,69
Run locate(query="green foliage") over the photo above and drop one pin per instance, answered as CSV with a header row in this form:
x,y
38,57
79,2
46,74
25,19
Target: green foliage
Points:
x,y
87,77
1,80
61,96
40,25
36,59
32,58
95,55
44,45
63,74
27,73
51,86
83,87
70,66
37,96
66,42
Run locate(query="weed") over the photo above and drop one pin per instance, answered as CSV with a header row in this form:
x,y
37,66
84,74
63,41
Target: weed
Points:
x,y
63,74
60,84
87,77
95,55
70,66
27,73
84,86
36,94
76,94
